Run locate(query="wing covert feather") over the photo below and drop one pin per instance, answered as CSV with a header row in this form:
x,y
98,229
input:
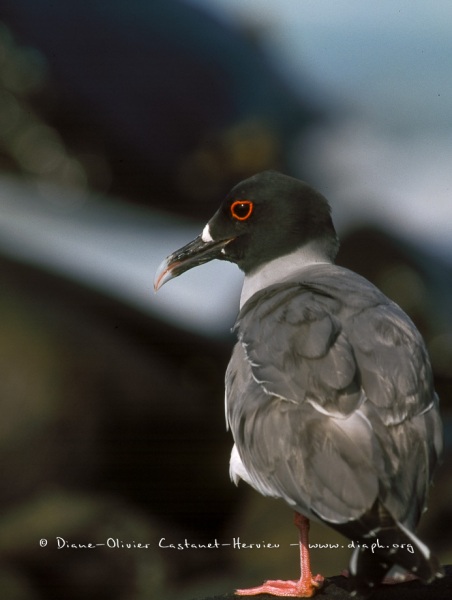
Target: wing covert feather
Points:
x,y
330,398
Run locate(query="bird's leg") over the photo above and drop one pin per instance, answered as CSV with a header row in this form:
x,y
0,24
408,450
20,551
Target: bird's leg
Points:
x,y
306,586
302,523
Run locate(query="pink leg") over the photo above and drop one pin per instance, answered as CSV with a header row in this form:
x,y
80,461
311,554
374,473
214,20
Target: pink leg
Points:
x,y
306,586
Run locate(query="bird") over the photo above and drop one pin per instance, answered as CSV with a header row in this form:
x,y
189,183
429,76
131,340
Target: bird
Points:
x,y
329,391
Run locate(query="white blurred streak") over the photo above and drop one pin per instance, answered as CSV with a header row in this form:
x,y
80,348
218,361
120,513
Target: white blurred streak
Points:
x,y
401,183
115,248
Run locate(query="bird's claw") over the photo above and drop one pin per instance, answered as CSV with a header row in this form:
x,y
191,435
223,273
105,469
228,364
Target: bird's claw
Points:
x,y
301,588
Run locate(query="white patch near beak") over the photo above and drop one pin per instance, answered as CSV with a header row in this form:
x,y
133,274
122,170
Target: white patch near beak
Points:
x,y
205,236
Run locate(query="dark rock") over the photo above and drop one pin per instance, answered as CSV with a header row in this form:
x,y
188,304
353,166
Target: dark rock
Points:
x,y
336,588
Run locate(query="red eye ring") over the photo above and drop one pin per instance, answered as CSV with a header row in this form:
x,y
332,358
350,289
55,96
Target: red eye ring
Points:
x,y
242,209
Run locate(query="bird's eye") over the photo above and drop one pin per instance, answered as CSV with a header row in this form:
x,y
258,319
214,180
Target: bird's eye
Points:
x,y
242,209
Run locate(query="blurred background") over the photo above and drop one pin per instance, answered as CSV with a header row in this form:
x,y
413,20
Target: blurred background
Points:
x,y
122,126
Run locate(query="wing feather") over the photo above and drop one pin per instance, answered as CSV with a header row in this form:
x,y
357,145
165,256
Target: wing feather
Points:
x,y
330,398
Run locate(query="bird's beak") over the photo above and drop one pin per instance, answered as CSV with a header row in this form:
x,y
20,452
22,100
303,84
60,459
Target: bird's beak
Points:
x,y
195,253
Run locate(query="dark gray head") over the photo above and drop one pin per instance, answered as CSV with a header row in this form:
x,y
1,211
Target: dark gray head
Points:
x,y
262,218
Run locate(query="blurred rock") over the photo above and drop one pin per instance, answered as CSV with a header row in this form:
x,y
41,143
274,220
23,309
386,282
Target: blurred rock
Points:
x,y
155,96
43,542
112,423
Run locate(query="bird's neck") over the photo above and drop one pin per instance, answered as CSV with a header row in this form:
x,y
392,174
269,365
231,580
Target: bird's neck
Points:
x,y
282,268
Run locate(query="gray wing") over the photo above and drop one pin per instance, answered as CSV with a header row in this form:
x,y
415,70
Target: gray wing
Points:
x,y
330,399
